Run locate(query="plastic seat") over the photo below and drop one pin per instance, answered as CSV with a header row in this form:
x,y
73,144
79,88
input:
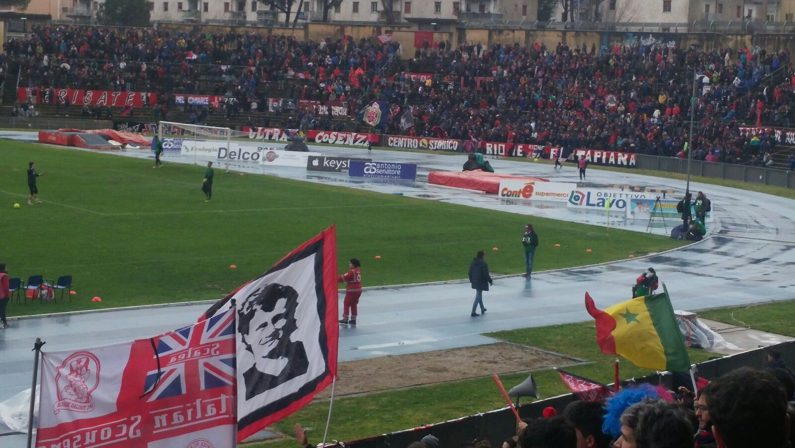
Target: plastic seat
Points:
x,y
63,285
33,284
14,286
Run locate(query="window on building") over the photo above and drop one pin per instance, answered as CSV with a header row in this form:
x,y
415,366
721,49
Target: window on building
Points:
x,y
241,6
165,6
179,6
750,13
407,8
720,8
373,6
355,7
456,8
226,6
206,7
612,5
739,11
254,6
151,5
706,9
337,8
437,7
788,18
666,5
482,8
524,10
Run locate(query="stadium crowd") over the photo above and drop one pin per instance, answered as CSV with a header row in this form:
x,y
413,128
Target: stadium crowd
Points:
x,y
626,97
744,408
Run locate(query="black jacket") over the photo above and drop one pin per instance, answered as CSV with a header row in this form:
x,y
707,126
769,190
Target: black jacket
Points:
x,y
479,274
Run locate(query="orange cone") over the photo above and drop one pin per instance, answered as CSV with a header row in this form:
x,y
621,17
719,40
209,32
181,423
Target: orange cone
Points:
x,y
232,266
96,299
377,257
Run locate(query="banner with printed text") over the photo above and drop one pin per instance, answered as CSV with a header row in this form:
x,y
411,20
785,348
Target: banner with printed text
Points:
x,y
175,390
80,97
535,190
604,199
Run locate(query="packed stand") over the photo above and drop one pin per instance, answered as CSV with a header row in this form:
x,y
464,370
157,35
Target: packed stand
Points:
x,y
629,98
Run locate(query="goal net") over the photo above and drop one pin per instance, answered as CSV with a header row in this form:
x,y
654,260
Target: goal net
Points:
x,y
201,142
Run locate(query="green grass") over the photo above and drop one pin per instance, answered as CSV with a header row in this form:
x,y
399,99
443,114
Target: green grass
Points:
x,y
396,410
134,235
771,317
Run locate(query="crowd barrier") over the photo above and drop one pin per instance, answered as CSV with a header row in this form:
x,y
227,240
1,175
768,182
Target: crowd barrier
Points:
x,y
730,171
499,425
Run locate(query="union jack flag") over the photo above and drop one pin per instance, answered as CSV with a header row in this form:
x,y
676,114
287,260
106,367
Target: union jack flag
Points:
x,y
193,359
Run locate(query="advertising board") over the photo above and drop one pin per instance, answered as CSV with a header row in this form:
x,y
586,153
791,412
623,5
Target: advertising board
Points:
x,y
535,191
383,170
604,199
330,164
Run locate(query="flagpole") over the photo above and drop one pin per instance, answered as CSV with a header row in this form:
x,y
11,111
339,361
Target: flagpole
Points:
x,y
496,379
37,352
693,380
616,377
330,406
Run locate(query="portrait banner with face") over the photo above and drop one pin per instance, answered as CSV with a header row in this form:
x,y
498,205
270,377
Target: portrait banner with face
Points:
x,y
287,334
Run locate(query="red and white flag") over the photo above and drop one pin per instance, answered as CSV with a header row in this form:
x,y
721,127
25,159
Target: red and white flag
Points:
x,y
287,334
173,390
585,389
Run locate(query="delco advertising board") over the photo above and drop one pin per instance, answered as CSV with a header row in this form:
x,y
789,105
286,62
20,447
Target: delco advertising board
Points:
x,y
383,170
535,191
244,153
604,199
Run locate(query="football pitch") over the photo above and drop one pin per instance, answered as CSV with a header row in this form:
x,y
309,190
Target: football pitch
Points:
x,y
135,235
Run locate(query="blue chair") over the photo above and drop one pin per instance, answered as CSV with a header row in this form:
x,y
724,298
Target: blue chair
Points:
x,y
63,285
14,285
34,283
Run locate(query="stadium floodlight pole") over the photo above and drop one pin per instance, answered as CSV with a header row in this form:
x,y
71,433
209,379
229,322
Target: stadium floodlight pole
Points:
x,y
692,122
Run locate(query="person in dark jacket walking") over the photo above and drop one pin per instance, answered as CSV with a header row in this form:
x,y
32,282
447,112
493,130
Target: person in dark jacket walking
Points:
x,y
530,243
480,279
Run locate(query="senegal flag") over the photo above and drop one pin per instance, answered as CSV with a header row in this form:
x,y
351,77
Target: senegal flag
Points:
x,y
642,330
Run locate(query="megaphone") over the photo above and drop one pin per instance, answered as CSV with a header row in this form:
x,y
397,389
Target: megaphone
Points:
x,y
526,388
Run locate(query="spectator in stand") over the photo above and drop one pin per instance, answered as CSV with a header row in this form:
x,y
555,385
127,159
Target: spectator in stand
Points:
x,y
663,425
704,437
555,432
586,417
748,409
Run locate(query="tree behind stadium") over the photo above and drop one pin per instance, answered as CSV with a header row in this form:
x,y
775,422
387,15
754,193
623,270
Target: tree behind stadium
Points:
x,y
124,12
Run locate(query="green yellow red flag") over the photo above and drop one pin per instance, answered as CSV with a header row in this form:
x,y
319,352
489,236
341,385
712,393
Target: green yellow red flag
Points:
x,y
643,330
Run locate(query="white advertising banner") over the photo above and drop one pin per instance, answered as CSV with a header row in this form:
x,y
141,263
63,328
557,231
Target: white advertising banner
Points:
x,y
280,157
535,191
604,199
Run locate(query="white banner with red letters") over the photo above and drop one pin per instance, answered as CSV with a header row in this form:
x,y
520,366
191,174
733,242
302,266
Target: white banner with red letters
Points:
x,y
434,144
173,390
780,135
599,157
337,138
535,191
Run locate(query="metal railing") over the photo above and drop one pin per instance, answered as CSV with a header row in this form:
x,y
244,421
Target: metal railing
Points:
x,y
731,171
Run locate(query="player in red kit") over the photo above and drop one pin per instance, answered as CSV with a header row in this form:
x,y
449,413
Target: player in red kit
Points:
x,y
353,290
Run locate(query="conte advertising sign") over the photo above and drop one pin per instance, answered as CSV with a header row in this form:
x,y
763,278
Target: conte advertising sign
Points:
x,y
536,191
603,199
434,144
382,170
80,97
330,164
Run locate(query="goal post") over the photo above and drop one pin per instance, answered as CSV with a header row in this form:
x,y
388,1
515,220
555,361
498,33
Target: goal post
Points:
x,y
180,134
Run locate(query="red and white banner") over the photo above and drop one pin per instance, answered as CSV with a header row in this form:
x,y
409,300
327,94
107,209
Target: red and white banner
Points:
x,y
435,144
337,138
599,157
516,149
273,134
173,390
80,97
780,135
585,389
